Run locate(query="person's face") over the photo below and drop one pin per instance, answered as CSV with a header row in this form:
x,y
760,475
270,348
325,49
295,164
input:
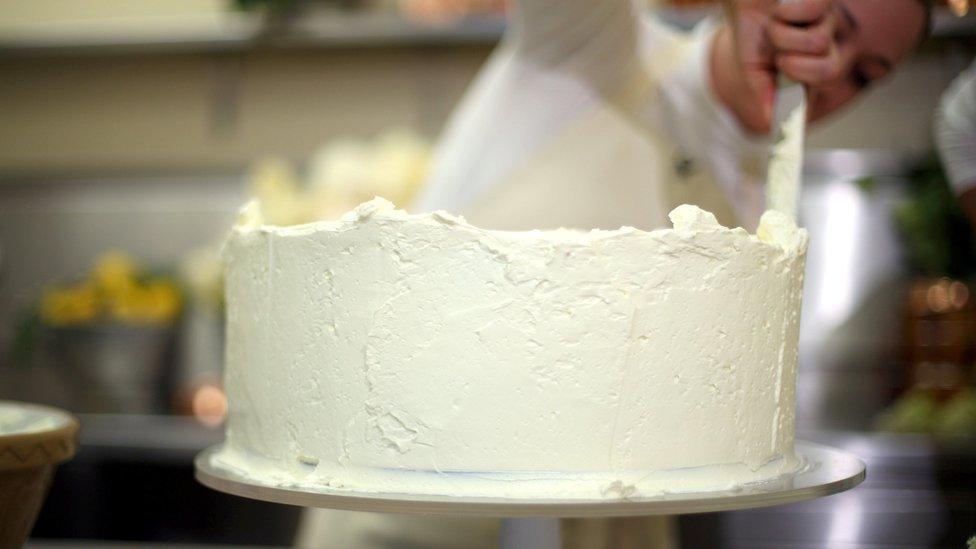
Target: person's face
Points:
x,y
873,36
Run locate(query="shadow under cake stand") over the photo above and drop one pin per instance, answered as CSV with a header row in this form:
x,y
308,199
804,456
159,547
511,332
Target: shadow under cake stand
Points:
x,y
534,522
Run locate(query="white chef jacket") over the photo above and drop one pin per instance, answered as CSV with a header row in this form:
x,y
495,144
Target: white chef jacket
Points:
x,y
591,114
955,131
587,115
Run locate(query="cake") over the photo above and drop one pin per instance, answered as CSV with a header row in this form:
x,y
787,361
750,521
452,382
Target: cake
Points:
x,y
391,352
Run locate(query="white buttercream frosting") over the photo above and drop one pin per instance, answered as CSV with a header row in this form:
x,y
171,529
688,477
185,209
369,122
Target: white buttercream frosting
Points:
x,y
785,169
250,216
417,353
691,218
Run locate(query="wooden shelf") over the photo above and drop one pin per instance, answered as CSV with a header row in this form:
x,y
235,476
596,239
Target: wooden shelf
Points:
x,y
321,29
242,31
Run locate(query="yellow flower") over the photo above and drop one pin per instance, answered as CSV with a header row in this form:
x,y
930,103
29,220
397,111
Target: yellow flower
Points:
x,y
202,270
157,302
72,305
162,301
346,172
399,165
114,273
113,291
274,184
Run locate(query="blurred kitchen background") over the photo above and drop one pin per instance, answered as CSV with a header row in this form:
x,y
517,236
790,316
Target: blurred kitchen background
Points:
x,y
130,133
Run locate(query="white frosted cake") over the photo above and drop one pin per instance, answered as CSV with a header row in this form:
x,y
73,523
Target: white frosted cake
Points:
x,y
389,352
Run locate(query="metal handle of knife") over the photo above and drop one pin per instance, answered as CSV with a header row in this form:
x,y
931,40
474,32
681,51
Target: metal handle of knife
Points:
x,y
781,79
785,167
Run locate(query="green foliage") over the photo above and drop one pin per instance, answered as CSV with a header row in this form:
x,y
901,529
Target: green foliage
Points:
x,y
26,333
920,412
287,6
958,416
937,234
915,412
269,5
867,184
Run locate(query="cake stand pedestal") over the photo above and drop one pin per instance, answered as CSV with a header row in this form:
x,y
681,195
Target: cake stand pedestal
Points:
x,y
825,471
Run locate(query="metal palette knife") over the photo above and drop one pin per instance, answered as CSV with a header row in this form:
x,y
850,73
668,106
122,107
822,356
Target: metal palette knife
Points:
x,y
785,166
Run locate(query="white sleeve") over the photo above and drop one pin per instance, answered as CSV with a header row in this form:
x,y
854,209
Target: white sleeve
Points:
x,y
592,40
550,68
709,133
955,131
561,59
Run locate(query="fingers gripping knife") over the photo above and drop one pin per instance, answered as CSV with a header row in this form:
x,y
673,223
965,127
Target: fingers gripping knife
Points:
x,y
786,158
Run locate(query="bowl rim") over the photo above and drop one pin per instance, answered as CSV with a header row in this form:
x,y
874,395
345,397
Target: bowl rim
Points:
x,y
43,447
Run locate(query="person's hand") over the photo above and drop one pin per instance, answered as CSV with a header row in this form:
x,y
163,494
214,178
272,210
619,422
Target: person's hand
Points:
x,y
762,38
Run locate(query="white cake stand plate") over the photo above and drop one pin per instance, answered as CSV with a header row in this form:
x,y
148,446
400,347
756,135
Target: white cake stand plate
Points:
x,y
825,471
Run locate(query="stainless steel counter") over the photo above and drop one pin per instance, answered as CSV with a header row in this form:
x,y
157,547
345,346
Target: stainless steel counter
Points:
x,y
132,483
919,493
95,544
161,439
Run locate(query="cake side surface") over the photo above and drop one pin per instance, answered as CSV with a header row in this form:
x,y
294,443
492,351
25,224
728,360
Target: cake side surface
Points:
x,y
389,350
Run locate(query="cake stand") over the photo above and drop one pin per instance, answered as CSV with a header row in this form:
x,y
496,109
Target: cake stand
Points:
x,y
825,471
